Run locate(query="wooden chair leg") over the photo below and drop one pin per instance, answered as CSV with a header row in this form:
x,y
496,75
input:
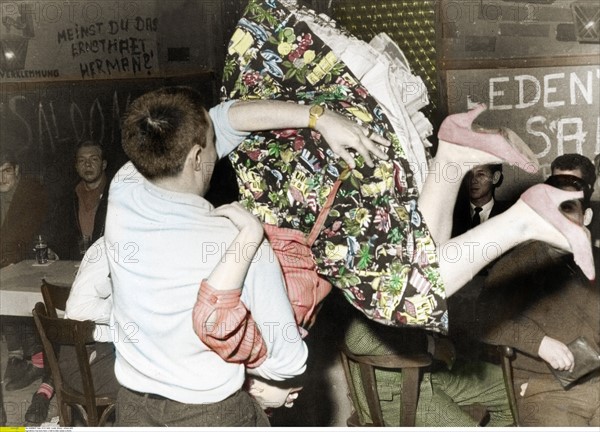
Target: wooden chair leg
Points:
x,y
410,396
367,373
3,418
410,368
66,416
507,355
106,414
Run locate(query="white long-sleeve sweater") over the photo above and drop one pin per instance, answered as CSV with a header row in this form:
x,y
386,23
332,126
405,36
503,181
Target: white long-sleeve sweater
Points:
x,y
160,245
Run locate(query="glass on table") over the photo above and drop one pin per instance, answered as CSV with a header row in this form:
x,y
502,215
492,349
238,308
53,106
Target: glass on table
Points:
x,y
41,250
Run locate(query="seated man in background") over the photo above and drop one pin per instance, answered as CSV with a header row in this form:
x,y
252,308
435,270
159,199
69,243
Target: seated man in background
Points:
x,y
23,206
479,187
81,213
78,221
446,390
537,300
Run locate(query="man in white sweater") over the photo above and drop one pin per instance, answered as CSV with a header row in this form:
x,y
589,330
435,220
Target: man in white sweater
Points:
x,y
186,276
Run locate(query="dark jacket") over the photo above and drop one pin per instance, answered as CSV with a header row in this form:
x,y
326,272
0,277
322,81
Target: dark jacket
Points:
x,y
23,221
461,222
67,231
535,291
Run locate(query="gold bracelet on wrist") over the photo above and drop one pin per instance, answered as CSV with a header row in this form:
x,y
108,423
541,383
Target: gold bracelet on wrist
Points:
x,y
315,112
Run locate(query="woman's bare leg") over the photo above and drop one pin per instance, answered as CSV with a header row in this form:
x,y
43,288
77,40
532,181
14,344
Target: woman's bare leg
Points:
x,y
465,255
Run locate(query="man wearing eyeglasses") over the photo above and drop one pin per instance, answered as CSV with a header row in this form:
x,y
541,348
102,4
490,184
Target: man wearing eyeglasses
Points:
x,y
23,206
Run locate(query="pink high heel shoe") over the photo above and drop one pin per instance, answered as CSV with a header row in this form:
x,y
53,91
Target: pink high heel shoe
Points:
x,y
545,201
502,143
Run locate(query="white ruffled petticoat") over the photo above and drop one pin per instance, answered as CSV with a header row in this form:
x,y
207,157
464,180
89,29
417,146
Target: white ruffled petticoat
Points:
x,y
384,71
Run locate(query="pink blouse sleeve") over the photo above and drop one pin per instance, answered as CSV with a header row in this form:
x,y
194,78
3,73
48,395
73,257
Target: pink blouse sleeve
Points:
x,y
234,335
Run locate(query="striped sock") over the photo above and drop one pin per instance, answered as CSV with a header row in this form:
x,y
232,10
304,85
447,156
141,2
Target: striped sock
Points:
x,y
37,360
46,389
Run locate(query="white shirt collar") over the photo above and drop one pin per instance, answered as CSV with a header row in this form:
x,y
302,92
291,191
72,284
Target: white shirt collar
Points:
x,y
486,210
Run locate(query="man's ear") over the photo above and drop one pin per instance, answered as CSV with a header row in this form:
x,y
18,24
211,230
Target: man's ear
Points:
x,y
195,154
104,164
17,171
588,214
496,177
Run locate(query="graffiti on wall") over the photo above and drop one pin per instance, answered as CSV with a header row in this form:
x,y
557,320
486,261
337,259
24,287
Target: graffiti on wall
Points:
x,y
48,40
555,110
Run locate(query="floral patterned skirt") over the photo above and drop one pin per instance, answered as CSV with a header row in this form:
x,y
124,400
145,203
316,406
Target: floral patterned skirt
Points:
x,y
371,240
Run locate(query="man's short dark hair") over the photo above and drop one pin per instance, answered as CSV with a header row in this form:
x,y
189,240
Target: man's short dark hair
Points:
x,y
497,168
8,156
494,168
91,143
573,161
161,127
562,181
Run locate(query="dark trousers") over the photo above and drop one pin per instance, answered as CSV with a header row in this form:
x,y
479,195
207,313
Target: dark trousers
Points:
x,y
546,404
21,333
239,409
102,365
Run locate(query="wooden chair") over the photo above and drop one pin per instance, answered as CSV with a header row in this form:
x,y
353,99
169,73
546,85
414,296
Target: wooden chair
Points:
x,y
55,297
411,367
507,354
55,332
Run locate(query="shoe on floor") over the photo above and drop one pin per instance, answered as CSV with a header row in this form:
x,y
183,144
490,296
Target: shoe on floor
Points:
x,y
30,374
15,367
38,410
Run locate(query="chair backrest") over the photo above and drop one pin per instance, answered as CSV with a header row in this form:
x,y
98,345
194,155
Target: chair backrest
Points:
x,y
54,333
410,364
55,297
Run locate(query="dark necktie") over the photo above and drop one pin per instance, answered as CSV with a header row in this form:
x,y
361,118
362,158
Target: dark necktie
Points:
x,y
476,219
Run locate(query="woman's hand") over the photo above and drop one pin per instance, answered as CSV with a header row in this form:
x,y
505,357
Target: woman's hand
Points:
x,y
231,270
342,133
241,218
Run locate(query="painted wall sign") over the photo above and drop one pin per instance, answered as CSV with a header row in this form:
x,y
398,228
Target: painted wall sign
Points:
x,y
78,40
555,110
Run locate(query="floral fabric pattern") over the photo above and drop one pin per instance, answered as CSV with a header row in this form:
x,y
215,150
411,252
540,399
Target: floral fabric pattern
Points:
x,y
374,244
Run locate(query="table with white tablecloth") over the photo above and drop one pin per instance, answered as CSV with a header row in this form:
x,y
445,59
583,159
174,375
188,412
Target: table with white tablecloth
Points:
x,y
20,283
